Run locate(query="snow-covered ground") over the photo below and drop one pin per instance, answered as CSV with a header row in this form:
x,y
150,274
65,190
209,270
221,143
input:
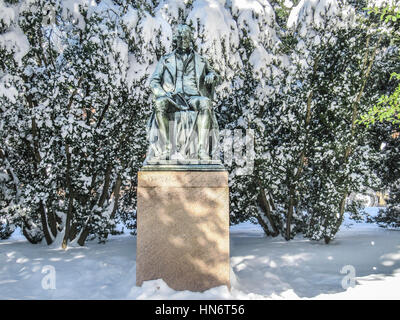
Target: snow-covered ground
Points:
x,y
262,268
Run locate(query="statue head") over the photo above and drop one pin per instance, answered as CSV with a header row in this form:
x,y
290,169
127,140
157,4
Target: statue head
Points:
x,y
183,37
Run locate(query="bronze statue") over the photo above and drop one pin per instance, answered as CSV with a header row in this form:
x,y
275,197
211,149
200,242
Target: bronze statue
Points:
x,y
183,122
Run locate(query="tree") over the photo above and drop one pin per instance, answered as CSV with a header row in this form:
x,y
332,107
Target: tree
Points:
x,y
388,106
75,102
384,117
309,152
346,59
74,128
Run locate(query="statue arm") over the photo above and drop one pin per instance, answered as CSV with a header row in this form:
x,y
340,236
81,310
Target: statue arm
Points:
x,y
155,80
212,79
210,71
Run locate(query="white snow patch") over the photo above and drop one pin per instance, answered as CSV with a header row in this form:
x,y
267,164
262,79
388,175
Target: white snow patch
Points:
x,y
261,268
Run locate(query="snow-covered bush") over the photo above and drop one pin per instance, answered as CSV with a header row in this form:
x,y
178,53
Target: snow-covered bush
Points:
x,y
75,101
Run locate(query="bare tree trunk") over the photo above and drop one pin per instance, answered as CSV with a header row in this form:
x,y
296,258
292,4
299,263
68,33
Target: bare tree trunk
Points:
x,y
68,180
103,112
300,167
36,162
43,219
266,206
86,230
290,214
71,198
67,235
27,235
104,195
116,192
43,214
106,186
52,223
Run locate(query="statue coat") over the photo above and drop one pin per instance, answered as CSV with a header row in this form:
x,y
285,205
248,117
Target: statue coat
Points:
x,y
163,81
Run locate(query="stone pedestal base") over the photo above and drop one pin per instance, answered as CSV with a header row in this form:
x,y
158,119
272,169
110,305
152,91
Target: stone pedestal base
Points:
x,y
183,229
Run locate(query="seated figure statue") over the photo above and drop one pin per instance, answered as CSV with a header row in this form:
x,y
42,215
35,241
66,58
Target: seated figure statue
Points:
x,y
183,125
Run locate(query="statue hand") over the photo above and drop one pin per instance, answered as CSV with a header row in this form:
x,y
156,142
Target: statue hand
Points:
x,y
209,79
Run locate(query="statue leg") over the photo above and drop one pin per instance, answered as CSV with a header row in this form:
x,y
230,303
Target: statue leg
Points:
x,y
204,106
162,106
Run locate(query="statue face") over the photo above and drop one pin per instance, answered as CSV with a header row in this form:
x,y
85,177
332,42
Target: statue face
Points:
x,y
183,38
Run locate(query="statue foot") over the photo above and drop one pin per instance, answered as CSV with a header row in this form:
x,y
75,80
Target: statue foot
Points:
x,y
177,156
162,156
203,155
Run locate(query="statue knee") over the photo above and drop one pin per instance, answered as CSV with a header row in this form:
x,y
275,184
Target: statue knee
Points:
x,y
161,105
205,105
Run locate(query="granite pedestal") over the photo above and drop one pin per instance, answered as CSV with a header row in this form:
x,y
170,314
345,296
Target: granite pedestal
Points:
x,y
183,228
